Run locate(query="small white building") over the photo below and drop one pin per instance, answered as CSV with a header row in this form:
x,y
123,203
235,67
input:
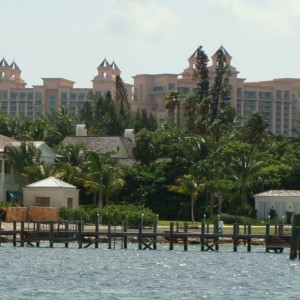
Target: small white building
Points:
x,y
51,192
282,201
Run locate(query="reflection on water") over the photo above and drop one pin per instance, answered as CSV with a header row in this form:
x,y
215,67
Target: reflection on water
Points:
x,y
59,273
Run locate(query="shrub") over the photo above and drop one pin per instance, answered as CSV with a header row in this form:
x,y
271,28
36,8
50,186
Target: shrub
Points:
x,y
115,214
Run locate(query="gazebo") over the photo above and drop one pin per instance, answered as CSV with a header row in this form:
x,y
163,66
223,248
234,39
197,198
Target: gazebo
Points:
x,y
51,192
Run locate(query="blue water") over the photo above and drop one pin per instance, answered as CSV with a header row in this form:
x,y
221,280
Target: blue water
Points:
x,y
72,273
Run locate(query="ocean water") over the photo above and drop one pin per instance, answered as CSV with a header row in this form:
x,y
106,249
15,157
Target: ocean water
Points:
x,y
72,273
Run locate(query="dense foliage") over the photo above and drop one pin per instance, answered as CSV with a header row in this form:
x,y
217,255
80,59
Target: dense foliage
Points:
x,y
201,161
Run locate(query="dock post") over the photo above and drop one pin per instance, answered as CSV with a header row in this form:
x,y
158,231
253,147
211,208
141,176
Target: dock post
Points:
x,y
14,234
51,234
249,239
267,236
280,229
97,231
79,233
66,229
216,231
109,234
22,234
202,238
155,234
235,238
125,238
140,238
0,231
171,246
185,239
295,242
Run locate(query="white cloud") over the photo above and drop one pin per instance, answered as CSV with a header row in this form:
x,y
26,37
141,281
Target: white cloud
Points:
x,y
141,21
269,17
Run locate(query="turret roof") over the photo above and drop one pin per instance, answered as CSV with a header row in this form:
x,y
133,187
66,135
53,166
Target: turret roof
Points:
x,y
14,66
114,66
3,63
105,64
223,50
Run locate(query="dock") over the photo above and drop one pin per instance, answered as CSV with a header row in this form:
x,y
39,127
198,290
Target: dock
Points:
x,y
274,238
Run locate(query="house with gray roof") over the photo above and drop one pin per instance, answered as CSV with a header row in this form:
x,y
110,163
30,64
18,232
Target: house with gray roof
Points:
x,y
284,202
120,148
9,182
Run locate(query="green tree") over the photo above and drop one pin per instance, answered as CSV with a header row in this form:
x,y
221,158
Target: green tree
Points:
x,y
173,103
97,167
191,186
201,74
146,150
220,91
122,100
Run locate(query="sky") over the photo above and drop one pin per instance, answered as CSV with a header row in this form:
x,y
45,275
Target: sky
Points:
x,y
70,38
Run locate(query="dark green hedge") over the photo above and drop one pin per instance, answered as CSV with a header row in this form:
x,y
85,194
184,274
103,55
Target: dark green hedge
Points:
x,y
130,213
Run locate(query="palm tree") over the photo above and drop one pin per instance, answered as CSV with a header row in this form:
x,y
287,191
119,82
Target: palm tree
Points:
x,y
244,161
255,129
97,166
172,103
191,186
21,156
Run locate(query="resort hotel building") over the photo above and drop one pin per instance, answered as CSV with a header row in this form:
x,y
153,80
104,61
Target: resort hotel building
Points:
x,y
278,99
41,100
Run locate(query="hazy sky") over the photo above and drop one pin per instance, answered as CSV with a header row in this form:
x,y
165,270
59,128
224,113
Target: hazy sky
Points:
x,y
70,38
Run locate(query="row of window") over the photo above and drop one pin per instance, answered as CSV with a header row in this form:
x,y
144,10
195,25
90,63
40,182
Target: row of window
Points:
x,y
4,95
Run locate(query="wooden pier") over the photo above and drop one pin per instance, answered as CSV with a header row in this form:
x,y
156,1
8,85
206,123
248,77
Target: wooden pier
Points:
x,y
32,234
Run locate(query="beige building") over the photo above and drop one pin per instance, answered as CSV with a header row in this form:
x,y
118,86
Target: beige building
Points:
x,y
51,192
41,100
279,99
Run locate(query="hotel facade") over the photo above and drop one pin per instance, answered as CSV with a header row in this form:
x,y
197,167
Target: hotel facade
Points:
x,y
278,99
42,100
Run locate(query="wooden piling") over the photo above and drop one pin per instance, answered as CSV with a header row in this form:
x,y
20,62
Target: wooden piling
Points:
x,y
109,234
185,239
79,238
216,240
97,232
51,235
235,238
171,246
14,233
125,238
140,236
202,238
295,242
249,239
155,234
22,234
66,230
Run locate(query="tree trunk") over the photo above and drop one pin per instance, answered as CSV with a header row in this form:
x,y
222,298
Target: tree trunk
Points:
x,y
212,198
192,210
221,198
100,200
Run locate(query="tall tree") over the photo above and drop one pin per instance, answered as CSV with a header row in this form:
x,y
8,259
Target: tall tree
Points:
x,y
122,100
173,103
191,186
220,91
201,74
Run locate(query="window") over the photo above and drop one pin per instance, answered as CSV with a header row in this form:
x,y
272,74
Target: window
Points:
x,y
286,95
63,96
158,89
22,95
30,95
70,203
249,94
81,96
278,95
73,96
4,106
4,95
13,95
265,95
183,90
43,201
